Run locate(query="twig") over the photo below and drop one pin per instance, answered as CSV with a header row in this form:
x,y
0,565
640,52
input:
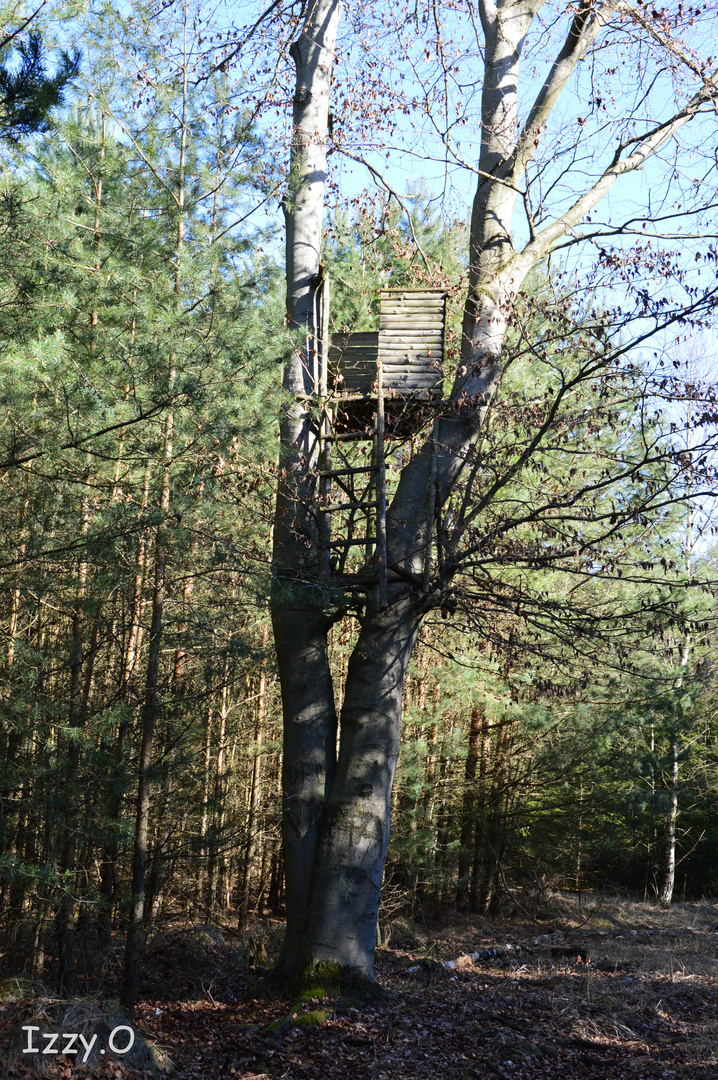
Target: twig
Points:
x,y
385,184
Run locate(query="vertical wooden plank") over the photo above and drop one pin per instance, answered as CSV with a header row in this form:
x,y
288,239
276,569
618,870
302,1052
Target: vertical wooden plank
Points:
x,y
325,445
371,512
381,492
324,338
325,496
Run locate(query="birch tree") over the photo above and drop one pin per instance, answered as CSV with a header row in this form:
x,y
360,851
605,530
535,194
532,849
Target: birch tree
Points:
x,y
555,158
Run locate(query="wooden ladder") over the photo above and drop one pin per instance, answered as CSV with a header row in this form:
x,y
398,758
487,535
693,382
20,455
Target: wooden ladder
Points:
x,y
371,503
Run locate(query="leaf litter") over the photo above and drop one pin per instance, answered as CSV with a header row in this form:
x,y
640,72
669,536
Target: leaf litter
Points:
x,y
632,998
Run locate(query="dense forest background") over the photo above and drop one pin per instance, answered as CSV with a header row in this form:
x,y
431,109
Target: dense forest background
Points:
x,y
141,342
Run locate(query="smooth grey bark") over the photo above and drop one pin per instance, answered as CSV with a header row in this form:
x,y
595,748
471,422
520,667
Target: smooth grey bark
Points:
x,y
342,918
298,620
308,759
336,815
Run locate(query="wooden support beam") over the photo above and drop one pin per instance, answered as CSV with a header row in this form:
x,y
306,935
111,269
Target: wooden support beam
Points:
x,y
354,542
325,446
362,505
348,471
325,485
381,553
348,436
355,581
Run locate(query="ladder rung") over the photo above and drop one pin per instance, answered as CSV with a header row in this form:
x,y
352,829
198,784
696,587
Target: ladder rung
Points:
x,y
345,436
364,541
347,472
347,506
358,582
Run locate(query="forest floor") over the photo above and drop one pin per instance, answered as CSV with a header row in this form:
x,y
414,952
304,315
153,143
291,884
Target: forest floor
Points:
x,y
616,989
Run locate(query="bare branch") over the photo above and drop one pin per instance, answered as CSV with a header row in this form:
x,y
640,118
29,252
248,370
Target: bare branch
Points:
x,y
547,238
23,26
390,190
221,66
73,444
584,30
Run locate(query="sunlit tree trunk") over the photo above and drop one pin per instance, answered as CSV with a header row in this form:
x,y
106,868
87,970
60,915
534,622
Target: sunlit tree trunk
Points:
x,y
299,622
669,866
336,815
135,930
109,876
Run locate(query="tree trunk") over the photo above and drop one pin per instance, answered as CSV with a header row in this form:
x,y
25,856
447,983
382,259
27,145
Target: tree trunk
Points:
x,y
443,826
200,882
271,878
478,860
669,867
299,623
216,856
109,880
334,851
79,701
135,930
467,809
651,845
344,899
254,791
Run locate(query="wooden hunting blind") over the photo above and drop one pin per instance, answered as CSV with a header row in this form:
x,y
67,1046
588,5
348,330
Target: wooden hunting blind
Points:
x,y
409,345
370,386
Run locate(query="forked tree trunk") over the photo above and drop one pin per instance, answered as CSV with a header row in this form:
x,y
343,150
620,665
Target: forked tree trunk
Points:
x,y
336,815
344,900
334,851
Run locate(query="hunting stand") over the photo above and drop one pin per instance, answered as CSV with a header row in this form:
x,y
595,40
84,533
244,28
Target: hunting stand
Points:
x,y
370,387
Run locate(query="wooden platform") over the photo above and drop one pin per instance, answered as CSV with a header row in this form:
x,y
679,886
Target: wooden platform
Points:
x,y
371,386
